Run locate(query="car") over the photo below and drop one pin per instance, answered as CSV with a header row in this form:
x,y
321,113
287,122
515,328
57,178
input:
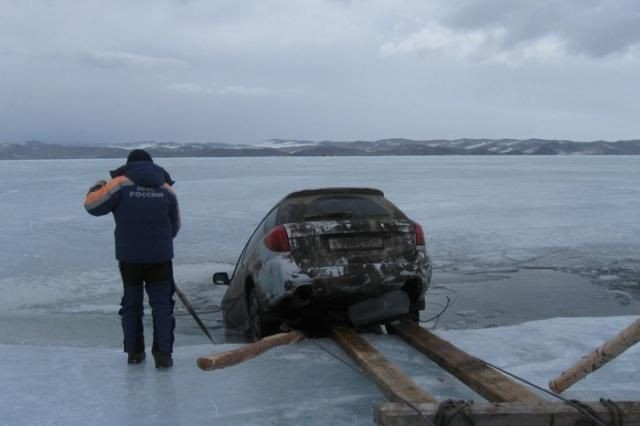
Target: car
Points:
x,y
330,255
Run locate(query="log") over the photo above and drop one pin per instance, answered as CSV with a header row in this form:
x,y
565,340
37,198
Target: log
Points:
x,y
489,383
597,358
216,361
391,381
509,414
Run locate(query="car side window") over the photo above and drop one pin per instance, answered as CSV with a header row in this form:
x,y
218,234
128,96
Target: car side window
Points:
x,y
235,269
258,232
270,220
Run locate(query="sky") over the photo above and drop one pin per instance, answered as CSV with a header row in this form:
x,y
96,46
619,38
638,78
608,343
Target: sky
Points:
x,y
103,72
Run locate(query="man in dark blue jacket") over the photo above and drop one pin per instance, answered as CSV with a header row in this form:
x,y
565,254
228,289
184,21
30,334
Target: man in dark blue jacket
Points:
x,y
145,209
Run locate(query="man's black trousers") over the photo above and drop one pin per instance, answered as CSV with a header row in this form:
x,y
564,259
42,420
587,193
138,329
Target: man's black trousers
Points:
x,y
157,279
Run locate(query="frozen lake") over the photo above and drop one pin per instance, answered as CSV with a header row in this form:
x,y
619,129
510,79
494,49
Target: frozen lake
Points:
x,y
485,208
512,238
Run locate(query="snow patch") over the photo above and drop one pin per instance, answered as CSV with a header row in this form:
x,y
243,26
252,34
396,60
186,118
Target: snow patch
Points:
x,y
284,144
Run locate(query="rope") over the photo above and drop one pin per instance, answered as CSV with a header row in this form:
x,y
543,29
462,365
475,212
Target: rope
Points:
x,y
437,317
596,420
617,416
592,414
462,409
615,412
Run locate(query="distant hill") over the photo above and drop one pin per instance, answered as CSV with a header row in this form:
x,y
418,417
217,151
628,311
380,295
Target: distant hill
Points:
x,y
300,148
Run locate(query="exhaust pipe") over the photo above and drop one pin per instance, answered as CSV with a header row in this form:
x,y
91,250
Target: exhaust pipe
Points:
x,y
302,296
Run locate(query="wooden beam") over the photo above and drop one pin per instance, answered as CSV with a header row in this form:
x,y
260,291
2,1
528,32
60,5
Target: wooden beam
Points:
x,y
391,381
216,361
507,414
597,358
473,372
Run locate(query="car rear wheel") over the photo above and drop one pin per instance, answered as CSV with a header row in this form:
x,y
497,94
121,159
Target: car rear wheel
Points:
x,y
259,325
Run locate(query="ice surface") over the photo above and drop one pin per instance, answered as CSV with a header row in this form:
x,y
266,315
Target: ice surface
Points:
x,y
512,239
298,384
470,207
510,219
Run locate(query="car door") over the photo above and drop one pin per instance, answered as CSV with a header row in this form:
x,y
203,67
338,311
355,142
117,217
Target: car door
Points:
x,y
234,301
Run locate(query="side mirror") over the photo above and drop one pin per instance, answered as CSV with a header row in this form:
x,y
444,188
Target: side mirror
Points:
x,y
221,278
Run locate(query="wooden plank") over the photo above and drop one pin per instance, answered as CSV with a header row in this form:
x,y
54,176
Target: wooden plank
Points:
x,y
391,381
489,383
216,361
597,358
507,414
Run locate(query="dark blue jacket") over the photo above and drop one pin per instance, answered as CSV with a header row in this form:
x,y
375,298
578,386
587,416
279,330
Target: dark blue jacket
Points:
x,y
145,209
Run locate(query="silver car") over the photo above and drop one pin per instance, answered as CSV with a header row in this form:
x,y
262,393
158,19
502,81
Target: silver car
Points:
x,y
334,255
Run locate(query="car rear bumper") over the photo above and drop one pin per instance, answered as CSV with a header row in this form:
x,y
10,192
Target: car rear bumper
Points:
x,y
281,280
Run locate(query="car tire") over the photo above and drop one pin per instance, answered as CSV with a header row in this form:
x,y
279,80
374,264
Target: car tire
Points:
x,y
259,325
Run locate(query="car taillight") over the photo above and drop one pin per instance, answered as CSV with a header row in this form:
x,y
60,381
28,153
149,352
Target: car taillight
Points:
x,y
277,239
420,240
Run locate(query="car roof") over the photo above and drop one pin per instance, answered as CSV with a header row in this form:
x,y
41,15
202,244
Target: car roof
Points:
x,y
334,191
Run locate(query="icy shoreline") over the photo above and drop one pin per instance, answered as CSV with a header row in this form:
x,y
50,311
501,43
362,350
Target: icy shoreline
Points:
x,y
297,384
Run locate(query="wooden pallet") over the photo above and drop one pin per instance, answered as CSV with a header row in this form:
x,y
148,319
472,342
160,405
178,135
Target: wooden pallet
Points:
x,y
509,402
507,414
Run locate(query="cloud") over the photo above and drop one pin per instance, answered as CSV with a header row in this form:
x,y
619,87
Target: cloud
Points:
x,y
436,38
246,91
107,59
594,28
402,67
477,44
237,90
513,31
101,59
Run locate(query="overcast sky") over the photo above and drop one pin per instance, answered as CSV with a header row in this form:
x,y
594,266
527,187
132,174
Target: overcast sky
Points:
x,y
242,72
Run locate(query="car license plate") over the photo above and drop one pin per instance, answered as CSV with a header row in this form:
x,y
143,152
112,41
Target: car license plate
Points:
x,y
355,243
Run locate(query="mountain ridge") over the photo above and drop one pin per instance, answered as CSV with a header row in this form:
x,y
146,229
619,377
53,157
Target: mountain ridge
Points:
x,y
301,148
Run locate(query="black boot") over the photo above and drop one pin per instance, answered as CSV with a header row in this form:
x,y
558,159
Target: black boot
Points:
x,y
135,357
163,359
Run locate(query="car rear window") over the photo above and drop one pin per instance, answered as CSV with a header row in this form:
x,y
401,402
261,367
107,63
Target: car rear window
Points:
x,y
336,207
